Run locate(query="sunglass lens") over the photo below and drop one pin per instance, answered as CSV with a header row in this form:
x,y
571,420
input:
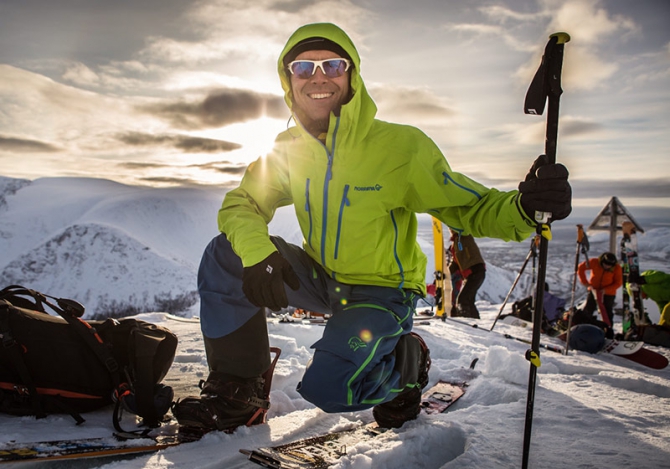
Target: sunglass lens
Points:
x,y
334,68
303,69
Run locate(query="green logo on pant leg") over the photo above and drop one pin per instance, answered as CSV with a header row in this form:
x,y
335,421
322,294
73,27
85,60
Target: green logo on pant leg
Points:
x,y
356,343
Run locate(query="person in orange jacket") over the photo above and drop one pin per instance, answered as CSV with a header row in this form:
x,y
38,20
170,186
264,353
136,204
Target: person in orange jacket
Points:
x,y
606,277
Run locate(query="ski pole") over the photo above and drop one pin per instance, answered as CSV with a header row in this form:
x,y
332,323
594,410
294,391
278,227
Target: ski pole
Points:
x,y
546,84
553,348
581,238
516,280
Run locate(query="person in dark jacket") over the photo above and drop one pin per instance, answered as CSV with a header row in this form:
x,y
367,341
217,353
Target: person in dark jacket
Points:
x,y
467,267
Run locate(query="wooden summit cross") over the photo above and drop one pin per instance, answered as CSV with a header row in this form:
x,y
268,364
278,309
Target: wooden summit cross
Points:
x,y
611,218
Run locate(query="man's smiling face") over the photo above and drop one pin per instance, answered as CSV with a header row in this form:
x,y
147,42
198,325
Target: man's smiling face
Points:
x,y
315,97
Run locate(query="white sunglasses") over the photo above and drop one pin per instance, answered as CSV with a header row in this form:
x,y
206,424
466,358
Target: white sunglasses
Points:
x,y
332,68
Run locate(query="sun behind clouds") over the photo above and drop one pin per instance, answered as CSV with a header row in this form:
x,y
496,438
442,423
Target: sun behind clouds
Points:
x,y
256,138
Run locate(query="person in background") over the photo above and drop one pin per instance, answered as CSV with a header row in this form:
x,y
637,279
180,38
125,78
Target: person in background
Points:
x,y
356,184
467,267
554,307
655,285
606,277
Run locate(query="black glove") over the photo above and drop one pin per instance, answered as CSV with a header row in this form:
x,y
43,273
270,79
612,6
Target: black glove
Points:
x,y
263,283
546,189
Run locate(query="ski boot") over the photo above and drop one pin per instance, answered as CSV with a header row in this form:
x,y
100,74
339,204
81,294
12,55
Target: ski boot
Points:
x,y
225,403
407,405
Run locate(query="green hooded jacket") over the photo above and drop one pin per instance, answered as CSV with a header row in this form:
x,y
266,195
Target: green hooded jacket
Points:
x,y
356,196
657,287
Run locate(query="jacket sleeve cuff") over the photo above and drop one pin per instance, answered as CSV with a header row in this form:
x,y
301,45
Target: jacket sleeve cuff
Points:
x,y
527,220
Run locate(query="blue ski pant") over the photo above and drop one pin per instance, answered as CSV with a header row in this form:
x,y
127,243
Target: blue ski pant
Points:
x,y
357,362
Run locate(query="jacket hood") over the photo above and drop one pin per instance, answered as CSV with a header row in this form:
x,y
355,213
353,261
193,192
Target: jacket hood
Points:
x,y
357,115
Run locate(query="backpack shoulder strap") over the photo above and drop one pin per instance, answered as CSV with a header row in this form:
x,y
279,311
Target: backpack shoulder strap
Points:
x,y
14,350
18,296
146,345
90,336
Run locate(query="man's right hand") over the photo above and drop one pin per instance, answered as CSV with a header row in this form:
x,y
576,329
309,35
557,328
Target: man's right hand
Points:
x,y
263,283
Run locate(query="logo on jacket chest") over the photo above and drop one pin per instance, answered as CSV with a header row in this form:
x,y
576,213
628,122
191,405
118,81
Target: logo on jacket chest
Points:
x,y
376,188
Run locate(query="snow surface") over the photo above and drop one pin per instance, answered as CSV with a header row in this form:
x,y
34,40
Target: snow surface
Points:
x,y
591,411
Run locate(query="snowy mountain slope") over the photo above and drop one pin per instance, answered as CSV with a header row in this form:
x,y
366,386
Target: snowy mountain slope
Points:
x,y
78,261
109,246
103,241
155,237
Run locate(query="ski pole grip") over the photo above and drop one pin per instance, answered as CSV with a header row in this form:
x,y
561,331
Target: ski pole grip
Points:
x,y
561,37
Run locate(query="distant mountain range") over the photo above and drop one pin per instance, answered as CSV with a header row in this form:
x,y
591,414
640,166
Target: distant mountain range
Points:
x,y
122,250
114,248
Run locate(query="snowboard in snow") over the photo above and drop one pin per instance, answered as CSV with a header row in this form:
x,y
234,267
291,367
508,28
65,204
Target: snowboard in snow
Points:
x,y
322,451
633,350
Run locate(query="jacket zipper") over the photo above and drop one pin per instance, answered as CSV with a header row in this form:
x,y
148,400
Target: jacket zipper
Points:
x,y
395,251
447,178
345,203
329,176
309,213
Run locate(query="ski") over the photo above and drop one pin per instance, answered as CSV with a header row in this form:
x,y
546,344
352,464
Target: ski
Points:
x,y
93,447
633,311
322,451
442,275
168,435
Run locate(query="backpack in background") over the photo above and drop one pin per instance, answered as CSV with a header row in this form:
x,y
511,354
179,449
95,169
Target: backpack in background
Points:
x,y
523,309
64,364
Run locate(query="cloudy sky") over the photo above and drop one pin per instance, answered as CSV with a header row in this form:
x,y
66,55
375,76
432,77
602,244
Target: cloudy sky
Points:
x,y
179,92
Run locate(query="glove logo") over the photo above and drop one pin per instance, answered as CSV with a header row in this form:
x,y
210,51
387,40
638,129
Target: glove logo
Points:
x,y
268,269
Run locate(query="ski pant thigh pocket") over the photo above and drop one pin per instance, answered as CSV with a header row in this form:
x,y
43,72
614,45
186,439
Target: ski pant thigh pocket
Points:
x,y
353,366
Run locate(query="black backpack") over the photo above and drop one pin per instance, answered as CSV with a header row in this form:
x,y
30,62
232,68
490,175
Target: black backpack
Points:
x,y
64,364
523,309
